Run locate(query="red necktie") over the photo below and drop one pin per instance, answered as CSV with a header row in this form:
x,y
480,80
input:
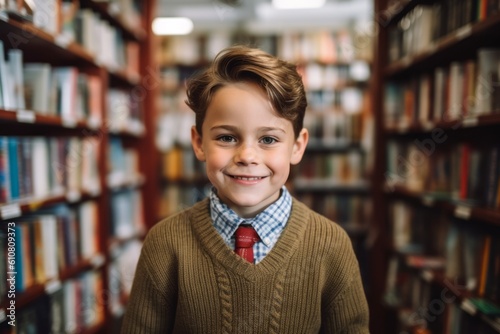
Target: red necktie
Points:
x,y
246,237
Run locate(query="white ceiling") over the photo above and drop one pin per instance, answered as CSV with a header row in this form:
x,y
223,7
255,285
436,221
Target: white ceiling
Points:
x,y
259,16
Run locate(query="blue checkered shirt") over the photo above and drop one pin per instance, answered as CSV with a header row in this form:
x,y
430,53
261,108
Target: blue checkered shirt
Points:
x,y
268,224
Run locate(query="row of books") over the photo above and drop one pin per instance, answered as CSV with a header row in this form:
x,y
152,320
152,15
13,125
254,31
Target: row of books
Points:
x,y
348,99
72,23
318,76
343,168
174,76
39,87
336,127
180,163
177,197
43,14
426,24
47,243
458,250
346,210
36,167
75,306
123,163
127,214
463,172
352,213
434,308
462,89
328,47
104,41
124,111
460,321
322,46
174,125
121,272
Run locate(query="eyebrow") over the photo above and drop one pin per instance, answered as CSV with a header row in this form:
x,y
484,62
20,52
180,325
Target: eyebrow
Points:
x,y
235,128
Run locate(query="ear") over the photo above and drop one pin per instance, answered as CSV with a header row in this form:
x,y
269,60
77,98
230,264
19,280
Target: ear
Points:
x,y
197,144
299,146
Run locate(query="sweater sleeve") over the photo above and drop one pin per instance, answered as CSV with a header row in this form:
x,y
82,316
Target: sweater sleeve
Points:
x,y
345,308
348,312
151,306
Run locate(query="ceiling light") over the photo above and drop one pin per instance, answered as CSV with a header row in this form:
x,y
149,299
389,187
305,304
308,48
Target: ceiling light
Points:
x,y
296,4
172,26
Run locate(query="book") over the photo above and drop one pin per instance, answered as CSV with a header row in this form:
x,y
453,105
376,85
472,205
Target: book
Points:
x,y
88,229
6,80
37,86
50,244
57,311
68,10
40,167
19,251
67,84
456,92
487,71
16,70
440,75
46,15
4,171
38,252
492,286
14,172
25,167
485,259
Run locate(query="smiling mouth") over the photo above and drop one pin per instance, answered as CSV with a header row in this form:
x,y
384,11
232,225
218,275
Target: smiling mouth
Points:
x,y
247,178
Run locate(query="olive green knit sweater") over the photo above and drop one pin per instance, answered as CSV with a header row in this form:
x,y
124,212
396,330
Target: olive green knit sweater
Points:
x,y
189,281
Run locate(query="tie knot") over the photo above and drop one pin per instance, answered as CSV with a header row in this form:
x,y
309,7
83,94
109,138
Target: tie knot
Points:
x,y
245,237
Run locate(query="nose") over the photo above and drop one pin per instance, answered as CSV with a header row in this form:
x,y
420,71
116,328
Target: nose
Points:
x,y
246,155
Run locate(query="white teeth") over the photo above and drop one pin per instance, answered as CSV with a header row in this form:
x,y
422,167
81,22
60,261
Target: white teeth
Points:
x,y
247,178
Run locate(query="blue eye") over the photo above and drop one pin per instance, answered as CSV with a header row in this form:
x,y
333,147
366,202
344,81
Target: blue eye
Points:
x,y
268,140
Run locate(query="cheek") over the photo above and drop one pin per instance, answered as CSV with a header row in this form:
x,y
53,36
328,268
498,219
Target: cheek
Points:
x,y
279,162
218,158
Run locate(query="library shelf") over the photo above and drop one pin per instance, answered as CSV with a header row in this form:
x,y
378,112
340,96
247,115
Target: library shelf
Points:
x,y
30,205
94,197
462,210
460,43
114,243
327,146
112,14
457,293
120,77
132,131
41,46
464,123
408,68
355,230
197,181
119,181
398,10
37,290
31,119
301,184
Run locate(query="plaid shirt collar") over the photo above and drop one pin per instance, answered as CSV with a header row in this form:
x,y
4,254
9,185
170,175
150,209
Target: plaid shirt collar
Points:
x,y
268,224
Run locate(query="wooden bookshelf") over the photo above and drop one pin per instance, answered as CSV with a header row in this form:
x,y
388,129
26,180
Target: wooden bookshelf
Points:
x,y
466,204
464,40
85,188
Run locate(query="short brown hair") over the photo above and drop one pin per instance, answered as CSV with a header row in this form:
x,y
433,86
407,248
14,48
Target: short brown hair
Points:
x,y
279,79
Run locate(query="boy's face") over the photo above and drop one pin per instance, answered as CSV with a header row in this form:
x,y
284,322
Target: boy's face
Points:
x,y
248,149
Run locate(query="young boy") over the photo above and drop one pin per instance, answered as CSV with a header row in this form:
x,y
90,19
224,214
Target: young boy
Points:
x,y
297,272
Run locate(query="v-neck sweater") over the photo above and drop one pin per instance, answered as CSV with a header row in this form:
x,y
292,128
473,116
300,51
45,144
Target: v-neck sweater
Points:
x,y
189,281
